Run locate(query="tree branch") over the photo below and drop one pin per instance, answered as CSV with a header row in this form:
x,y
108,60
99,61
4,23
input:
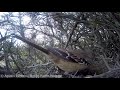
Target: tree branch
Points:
x,y
72,32
32,44
115,73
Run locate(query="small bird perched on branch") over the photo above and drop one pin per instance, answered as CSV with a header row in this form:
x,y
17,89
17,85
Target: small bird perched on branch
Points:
x,y
69,60
64,59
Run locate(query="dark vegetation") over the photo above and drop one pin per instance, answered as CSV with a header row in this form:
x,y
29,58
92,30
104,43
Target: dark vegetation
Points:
x,y
98,32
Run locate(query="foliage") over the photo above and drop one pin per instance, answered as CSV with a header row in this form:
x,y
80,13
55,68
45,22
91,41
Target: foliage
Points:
x,y
95,31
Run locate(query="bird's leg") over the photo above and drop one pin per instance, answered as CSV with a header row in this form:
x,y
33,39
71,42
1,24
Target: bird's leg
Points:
x,y
75,73
70,75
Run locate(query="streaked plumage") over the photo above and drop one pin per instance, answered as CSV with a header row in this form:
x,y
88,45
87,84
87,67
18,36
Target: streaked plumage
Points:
x,y
66,60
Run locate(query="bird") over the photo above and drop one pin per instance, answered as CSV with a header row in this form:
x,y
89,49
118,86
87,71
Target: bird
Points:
x,y
66,60
62,58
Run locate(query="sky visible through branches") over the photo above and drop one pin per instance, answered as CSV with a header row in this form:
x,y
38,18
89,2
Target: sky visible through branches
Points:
x,y
25,21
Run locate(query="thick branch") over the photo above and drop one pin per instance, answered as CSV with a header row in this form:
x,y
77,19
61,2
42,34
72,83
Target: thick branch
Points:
x,y
115,73
32,44
26,41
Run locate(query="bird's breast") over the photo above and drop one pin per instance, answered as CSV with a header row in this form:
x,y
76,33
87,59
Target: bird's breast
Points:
x,y
67,65
70,66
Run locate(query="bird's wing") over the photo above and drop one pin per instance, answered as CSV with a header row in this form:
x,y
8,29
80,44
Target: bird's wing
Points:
x,y
66,55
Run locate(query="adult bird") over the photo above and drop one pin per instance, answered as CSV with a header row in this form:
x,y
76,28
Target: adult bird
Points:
x,y
66,60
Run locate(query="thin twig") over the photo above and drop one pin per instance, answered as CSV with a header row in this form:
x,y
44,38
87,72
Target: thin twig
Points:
x,y
38,65
117,60
105,62
72,32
